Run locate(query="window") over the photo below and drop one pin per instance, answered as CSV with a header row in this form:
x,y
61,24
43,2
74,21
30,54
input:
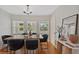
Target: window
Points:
x,y
17,27
32,26
44,27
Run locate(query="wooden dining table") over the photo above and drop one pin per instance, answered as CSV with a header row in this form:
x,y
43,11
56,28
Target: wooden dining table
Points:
x,y
25,37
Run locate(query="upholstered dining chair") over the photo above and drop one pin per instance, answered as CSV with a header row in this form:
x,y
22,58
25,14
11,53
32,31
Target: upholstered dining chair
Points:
x,y
31,45
5,41
14,45
34,33
24,33
44,41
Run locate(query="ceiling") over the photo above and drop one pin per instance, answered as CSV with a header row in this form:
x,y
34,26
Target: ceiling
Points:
x,y
36,9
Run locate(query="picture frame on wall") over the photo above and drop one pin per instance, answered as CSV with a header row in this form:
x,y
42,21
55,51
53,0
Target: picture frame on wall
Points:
x,y
70,25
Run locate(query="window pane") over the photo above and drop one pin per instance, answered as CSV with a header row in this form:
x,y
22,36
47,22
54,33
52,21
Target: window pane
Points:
x,y
44,27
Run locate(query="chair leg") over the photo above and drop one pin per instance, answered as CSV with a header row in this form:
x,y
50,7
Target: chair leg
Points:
x,y
33,51
30,51
37,51
2,45
41,46
27,51
9,52
13,52
47,47
24,50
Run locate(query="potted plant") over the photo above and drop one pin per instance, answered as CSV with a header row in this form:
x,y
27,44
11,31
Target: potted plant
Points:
x,y
59,30
29,28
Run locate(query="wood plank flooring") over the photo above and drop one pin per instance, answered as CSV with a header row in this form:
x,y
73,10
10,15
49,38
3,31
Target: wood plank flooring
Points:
x,y
51,50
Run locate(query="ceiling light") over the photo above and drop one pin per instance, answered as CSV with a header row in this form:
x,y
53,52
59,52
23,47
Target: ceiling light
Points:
x,y
27,10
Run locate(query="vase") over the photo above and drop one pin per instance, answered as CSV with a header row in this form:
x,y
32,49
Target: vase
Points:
x,y
29,33
59,35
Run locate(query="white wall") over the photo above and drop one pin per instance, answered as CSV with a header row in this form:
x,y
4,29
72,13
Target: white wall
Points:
x,y
6,18
57,16
52,29
5,26
35,18
31,18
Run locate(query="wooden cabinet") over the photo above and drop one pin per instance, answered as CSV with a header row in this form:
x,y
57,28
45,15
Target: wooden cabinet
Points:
x,y
63,48
59,47
66,50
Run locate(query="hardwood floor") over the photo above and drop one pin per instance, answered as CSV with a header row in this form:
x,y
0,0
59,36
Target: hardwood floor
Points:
x,y
51,50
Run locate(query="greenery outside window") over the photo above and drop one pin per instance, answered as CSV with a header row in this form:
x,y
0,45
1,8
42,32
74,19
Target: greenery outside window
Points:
x,y
44,26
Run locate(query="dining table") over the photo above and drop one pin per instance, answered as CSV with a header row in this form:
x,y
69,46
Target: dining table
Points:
x,y
25,37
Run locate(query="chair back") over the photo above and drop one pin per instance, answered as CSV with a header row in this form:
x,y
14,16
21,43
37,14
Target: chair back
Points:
x,y
4,37
31,44
15,44
34,33
45,37
24,33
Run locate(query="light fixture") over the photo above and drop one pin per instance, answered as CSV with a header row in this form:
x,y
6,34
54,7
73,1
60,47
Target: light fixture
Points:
x,y
27,10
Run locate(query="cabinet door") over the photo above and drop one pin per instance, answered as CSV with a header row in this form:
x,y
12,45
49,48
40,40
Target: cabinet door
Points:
x,y
66,50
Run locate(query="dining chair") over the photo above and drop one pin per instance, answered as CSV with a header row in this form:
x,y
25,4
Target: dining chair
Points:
x,y
44,41
34,33
24,33
5,41
14,45
31,45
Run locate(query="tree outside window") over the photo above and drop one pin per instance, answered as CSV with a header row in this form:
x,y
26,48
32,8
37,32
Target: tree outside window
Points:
x,y
43,26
